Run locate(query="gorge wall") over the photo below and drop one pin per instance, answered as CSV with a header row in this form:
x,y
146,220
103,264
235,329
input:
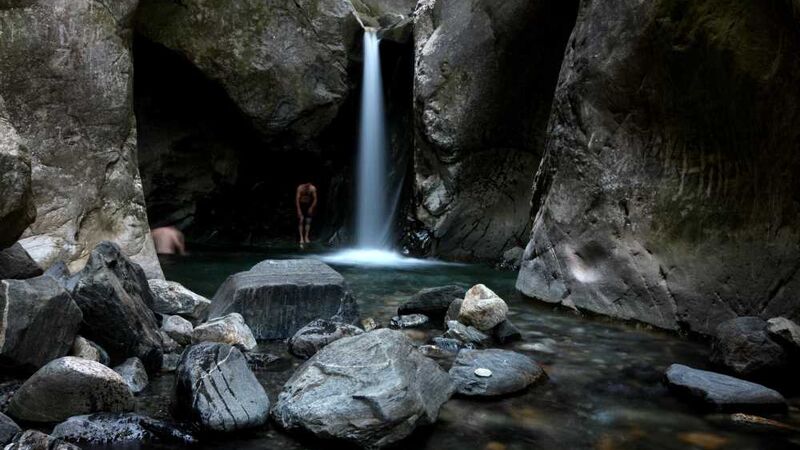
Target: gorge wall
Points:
x,y
668,192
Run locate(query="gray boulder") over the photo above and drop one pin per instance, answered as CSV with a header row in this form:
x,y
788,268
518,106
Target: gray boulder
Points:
x,y
453,310
16,264
512,259
86,349
8,429
319,333
784,331
120,429
178,328
170,361
371,390
506,332
171,298
432,302
115,298
17,208
230,330
482,308
69,387
217,389
36,440
68,93
134,374
722,392
510,372
409,321
744,346
38,322
278,297
467,335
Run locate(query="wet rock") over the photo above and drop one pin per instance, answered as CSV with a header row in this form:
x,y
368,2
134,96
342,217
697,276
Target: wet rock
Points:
x,y
319,333
482,308
371,390
744,346
666,237
784,331
450,345
36,440
86,349
512,259
278,297
509,372
178,328
467,335
170,361
432,302
108,428
69,387
506,332
722,392
38,322
68,95
171,298
134,374
409,321
453,310
17,208
218,391
8,429
230,330
260,361
7,391
113,294
16,264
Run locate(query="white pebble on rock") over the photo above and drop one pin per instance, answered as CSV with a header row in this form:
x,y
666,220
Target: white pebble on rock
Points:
x,y
483,373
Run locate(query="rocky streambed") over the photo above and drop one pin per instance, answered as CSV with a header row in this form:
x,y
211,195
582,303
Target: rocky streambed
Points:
x,y
490,370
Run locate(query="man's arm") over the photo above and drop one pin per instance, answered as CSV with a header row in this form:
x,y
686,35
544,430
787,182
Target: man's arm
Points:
x,y
297,203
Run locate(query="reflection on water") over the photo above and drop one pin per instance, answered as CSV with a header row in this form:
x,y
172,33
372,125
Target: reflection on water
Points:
x,y
604,391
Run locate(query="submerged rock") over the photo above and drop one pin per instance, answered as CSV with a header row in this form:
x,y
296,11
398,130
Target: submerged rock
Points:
x,y
17,264
467,335
230,330
278,297
69,387
371,390
178,328
171,298
432,302
36,440
115,299
508,372
482,308
722,392
108,428
218,391
86,349
38,322
8,429
744,346
319,333
409,321
134,374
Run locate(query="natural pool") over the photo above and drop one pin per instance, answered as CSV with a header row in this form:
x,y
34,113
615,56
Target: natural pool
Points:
x,y
604,390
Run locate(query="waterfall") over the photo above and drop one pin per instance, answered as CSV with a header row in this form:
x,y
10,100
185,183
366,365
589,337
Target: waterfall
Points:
x,y
373,214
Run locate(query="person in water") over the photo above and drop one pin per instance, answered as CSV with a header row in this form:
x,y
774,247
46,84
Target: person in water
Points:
x,y
306,204
168,241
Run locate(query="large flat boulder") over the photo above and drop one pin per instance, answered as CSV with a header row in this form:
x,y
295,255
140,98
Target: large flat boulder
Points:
x,y
370,390
493,372
722,392
278,297
38,322
115,298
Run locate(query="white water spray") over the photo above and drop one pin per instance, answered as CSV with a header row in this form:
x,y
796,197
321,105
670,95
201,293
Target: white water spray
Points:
x,y
373,217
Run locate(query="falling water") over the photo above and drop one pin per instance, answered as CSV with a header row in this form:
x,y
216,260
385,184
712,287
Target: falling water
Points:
x,y
373,217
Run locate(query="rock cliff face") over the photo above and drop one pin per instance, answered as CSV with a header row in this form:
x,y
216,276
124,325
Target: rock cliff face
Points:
x,y
65,77
668,193
17,210
483,84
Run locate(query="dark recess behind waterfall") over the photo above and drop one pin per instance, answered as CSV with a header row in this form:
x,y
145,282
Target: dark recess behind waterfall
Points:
x,y
206,170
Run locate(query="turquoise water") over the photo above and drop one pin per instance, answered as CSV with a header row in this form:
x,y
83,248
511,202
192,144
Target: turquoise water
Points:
x,y
604,390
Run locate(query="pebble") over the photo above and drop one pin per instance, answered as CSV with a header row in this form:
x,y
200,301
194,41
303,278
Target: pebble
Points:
x,y
483,373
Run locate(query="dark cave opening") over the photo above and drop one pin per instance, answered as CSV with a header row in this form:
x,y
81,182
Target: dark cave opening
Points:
x,y
208,171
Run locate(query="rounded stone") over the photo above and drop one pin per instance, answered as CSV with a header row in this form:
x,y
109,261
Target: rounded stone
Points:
x,y
483,372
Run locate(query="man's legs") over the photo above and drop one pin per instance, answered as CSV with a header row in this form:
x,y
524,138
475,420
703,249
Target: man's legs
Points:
x,y
308,229
300,228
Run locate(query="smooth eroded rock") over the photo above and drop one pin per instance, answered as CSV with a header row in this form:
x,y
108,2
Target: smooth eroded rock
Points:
x,y
178,328
17,264
38,322
319,333
69,387
110,428
171,298
134,374
370,390
278,297
466,334
722,392
744,346
482,308
86,349
218,391
509,372
432,302
230,330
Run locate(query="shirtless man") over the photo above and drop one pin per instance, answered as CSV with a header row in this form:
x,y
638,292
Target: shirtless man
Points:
x,y
168,241
306,203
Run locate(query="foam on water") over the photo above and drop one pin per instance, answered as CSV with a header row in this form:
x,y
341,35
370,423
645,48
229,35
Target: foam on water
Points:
x,y
378,258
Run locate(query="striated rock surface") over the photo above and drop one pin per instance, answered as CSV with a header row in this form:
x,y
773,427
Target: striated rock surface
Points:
x,y
229,329
319,333
69,387
668,191
370,390
66,80
484,77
